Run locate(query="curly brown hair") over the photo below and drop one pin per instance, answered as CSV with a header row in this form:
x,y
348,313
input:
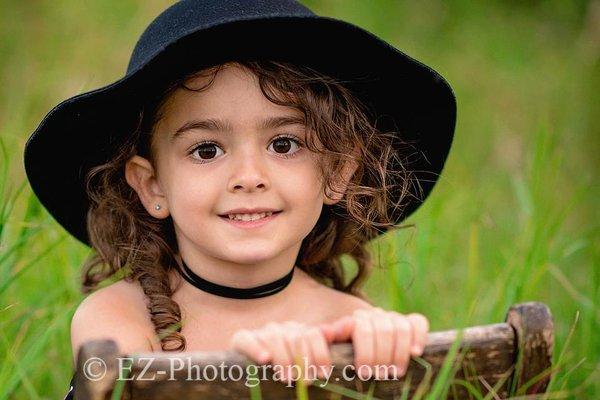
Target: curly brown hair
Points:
x,y
130,243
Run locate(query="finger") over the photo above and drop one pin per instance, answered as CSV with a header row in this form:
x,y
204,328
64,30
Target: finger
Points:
x,y
342,329
420,326
301,355
320,351
272,338
328,331
402,345
306,358
292,339
363,343
384,340
294,346
245,342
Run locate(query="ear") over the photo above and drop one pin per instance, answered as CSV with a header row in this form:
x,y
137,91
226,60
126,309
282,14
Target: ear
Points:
x,y
140,175
341,185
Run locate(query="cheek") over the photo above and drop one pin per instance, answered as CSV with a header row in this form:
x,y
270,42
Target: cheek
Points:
x,y
302,187
190,197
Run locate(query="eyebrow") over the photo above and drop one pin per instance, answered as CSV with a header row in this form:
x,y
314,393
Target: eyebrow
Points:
x,y
212,124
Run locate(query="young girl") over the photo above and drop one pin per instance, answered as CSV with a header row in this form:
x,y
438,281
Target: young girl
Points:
x,y
223,189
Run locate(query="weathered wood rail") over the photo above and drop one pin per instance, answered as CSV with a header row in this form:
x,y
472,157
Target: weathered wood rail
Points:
x,y
514,354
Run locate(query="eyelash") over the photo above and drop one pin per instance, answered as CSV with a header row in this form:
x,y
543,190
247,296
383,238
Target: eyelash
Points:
x,y
293,138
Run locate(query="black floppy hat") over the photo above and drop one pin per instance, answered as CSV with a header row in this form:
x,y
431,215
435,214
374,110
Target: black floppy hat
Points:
x,y
81,131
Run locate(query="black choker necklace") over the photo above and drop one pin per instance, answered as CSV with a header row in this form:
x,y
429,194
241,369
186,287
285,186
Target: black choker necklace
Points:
x,y
236,293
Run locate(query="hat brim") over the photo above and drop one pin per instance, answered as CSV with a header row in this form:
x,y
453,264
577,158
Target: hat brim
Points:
x,y
78,133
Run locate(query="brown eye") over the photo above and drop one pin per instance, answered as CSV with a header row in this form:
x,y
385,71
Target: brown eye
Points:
x,y
282,145
206,151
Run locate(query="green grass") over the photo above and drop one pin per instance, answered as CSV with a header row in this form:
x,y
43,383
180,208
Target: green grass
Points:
x,y
512,218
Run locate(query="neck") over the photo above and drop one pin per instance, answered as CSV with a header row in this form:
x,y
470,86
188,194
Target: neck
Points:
x,y
242,279
231,292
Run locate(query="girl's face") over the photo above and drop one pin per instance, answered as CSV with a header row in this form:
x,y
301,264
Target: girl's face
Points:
x,y
224,148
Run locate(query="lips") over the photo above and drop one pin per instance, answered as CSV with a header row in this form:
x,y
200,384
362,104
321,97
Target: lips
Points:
x,y
226,216
251,224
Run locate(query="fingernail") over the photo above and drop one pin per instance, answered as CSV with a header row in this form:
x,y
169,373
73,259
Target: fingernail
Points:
x,y
263,356
417,349
364,375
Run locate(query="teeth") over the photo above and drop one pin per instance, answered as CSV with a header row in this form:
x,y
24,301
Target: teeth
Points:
x,y
249,217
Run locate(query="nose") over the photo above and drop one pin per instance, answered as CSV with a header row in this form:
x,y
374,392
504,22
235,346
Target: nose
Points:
x,y
249,172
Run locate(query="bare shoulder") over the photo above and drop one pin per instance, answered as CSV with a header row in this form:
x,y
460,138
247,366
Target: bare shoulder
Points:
x,y
117,311
333,303
341,304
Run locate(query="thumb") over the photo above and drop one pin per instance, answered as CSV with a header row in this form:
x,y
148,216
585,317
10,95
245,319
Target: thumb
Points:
x,y
338,331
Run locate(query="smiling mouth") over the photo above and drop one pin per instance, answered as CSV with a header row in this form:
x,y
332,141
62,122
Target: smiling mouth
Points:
x,y
247,217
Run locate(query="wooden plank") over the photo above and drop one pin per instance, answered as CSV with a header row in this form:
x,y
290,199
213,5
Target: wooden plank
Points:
x,y
534,329
486,359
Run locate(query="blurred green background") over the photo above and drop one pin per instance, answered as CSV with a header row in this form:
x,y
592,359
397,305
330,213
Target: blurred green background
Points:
x,y
512,218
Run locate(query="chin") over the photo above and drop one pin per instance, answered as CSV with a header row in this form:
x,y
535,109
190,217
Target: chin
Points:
x,y
253,256
249,260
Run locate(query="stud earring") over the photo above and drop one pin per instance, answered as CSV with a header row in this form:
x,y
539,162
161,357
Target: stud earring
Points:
x,y
157,207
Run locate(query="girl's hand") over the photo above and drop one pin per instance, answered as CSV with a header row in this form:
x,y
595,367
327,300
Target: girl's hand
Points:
x,y
285,344
380,337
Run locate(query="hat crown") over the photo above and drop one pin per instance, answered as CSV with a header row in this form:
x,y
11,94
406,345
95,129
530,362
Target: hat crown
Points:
x,y
187,16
